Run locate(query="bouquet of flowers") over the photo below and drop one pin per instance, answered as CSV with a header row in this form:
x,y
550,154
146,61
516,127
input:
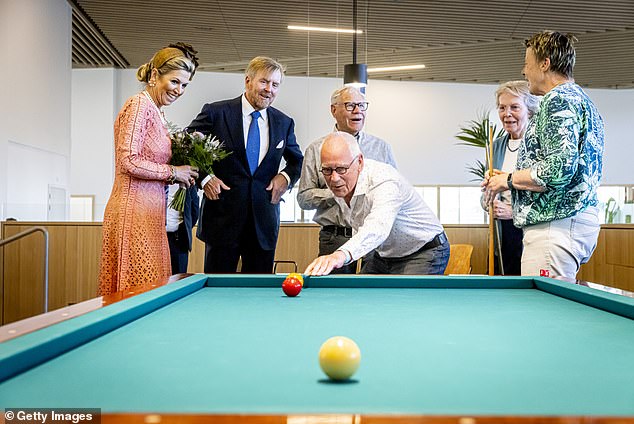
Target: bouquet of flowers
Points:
x,y
194,149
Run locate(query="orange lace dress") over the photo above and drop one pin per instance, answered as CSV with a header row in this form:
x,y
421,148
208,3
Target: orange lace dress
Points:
x,y
135,250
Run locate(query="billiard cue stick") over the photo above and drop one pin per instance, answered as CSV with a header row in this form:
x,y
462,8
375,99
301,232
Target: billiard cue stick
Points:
x,y
499,246
491,219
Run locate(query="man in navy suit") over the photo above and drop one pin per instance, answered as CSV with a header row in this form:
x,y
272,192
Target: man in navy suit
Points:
x,y
240,212
179,228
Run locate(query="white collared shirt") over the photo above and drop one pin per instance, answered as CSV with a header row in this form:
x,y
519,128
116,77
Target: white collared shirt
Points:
x,y
263,124
174,217
387,214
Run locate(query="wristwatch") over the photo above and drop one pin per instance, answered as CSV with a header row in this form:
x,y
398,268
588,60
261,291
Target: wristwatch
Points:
x,y
509,181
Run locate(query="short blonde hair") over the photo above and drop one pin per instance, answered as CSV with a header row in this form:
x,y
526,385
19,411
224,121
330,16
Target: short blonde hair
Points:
x,y
260,63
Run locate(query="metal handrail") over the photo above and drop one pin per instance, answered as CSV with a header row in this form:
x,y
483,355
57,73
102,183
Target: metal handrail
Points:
x,y
24,234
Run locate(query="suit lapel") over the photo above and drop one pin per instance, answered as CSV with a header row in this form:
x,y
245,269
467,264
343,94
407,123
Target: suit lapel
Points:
x,y
234,125
274,136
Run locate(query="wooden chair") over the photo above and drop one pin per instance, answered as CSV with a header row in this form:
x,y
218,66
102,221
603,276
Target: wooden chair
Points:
x,y
459,259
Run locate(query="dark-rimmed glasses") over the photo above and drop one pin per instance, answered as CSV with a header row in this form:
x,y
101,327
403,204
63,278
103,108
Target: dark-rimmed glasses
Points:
x,y
363,106
339,170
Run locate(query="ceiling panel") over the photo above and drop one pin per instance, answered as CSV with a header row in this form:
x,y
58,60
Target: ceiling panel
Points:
x,y
457,40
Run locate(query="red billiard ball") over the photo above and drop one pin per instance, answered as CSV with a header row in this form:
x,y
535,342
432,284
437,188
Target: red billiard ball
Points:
x,y
291,286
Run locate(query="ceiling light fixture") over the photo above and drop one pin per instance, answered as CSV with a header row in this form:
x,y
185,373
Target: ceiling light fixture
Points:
x,y
396,68
322,29
356,74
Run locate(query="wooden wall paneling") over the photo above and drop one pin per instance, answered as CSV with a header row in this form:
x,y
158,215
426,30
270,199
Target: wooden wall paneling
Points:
x,y
298,243
475,235
623,238
196,262
75,249
625,277
23,275
59,271
82,284
76,264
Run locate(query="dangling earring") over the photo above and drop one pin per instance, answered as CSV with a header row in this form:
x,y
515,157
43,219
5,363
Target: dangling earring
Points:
x,y
152,83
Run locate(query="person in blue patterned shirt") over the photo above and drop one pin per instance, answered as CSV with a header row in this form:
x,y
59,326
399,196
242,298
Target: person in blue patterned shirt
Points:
x,y
559,166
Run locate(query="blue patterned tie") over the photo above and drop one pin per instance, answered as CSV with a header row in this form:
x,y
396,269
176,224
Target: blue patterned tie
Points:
x,y
253,142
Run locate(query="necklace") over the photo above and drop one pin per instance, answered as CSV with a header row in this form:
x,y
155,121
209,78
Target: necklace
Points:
x,y
508,145
161,114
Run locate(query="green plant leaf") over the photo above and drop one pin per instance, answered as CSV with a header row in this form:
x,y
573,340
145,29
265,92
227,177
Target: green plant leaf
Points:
x,y
476,134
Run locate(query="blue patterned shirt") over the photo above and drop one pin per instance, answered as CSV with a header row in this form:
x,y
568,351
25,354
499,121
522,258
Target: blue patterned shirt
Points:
x,y
563,148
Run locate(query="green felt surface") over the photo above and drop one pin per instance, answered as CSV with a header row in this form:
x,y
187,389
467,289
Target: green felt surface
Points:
x,y
424,351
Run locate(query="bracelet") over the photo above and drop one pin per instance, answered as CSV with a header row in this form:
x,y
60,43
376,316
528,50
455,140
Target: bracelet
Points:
x,y
172,177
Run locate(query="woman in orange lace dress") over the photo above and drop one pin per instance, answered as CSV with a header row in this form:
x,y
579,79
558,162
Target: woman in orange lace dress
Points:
x,y
135,250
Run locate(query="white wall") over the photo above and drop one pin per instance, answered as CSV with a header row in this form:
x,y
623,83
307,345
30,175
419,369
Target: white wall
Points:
x,y
33,172
4,105
617,109
419,119
36,75
92,152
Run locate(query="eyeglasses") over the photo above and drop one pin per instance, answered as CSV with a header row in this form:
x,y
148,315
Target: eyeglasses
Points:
x,y
339,170
363,106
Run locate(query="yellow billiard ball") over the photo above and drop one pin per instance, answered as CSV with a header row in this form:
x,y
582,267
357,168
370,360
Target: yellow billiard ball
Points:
x,y
339,357
298,276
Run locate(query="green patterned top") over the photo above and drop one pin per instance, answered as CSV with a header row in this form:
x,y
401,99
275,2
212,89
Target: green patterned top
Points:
x,y
563,147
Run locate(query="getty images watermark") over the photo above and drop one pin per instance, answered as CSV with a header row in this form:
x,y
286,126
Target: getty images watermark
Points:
x,y
52,415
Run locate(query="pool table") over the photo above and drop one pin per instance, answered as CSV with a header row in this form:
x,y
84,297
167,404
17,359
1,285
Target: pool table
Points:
x,y
234,348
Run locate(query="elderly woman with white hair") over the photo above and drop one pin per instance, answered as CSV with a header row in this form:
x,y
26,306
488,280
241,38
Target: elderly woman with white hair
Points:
x,y
515,105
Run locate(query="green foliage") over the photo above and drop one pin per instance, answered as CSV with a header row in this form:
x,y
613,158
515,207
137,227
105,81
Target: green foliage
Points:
x,y
478,169
611,209
476,134
194,149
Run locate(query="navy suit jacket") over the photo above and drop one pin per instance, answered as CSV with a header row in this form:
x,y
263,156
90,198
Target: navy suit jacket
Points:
x,y
221,221
190,212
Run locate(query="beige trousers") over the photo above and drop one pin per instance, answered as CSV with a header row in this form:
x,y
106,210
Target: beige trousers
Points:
x,y
558,248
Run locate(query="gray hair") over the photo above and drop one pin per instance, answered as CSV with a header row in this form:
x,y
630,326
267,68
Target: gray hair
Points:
x,y
260,63
519,88
338,94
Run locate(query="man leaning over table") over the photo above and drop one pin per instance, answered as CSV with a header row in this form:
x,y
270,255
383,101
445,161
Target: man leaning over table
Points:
x,y
348,106
386,213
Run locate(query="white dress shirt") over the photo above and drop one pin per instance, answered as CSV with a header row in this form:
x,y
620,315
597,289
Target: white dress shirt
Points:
x,y
263,124
174,217
387,214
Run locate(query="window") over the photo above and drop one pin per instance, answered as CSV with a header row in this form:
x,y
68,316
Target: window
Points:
x,y
461,204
